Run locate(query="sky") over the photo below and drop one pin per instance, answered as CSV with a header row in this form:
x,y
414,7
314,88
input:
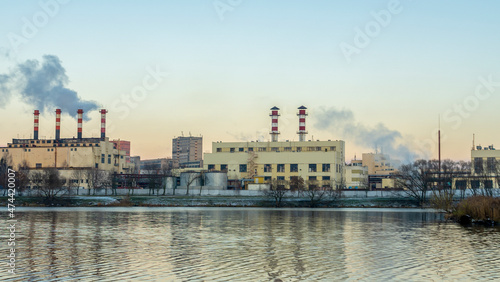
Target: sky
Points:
x,y
380,75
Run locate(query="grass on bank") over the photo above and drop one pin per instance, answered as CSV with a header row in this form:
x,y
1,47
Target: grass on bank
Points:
x,y
477,208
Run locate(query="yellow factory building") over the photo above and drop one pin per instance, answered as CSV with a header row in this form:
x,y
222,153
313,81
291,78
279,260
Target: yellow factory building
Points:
x,y
66,153
321,161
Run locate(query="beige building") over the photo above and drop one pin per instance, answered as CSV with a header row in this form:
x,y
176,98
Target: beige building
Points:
x,y
67,153
379,164
485,167
356,175
71,156
314,161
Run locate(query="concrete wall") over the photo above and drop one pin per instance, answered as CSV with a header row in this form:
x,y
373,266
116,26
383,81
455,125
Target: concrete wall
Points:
x,y
206,191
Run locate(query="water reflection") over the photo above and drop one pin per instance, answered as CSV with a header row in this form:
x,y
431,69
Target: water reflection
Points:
x,y
196,244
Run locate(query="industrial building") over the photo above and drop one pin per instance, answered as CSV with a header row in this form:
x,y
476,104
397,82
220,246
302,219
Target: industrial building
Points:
x,y
67,154
319,163
187,152
356,175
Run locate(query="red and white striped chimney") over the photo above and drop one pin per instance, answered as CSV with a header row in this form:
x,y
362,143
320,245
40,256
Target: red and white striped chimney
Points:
x,y
302,123
35,129
274,123
58,124
103,123
80,117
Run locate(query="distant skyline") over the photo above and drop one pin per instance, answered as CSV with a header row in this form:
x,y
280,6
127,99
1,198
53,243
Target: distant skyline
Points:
x,y
376,74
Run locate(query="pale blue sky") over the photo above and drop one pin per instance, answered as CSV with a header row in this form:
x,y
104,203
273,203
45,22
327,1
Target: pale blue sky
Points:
x,y
225,73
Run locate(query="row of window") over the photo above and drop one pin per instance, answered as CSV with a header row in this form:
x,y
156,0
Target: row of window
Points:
x,y
277,149
58,145
281,168
491,165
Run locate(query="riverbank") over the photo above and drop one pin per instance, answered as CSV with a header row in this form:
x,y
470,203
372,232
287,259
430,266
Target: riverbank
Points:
x,y
208,201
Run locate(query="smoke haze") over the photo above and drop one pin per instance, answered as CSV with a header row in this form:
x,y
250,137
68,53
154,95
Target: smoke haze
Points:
x,y
42,84
379,136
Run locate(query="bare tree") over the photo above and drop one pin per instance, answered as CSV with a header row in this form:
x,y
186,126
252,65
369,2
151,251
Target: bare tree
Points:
x,y
22,176
277,191
96,179
417,179
315,192
49,183
191,179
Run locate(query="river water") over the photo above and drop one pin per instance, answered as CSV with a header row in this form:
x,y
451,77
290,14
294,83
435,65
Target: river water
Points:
x,y
247,244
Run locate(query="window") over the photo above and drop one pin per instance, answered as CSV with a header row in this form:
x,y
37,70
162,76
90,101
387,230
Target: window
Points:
x,y
267,178
281,168
268,168
243,168
299,149
461,184
488,183
231,150
102,158
38,165
318,149
478,165
280,178
333,148
96,165
326,167
240,149
491,165
475,184
326,178
310,149
287,149
109,159
219,150
312,178
223,167
274,149
250,149
312,167
262,149
48,150
294,167
211,167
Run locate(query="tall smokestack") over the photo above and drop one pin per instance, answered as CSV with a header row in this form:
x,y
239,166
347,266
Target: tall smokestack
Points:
x,y
35,129
80,117
302,123
58,124
103,123
274,123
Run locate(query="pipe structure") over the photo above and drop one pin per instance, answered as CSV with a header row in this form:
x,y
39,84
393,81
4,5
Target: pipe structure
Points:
x,y
302,123
274,123
80,118
35,128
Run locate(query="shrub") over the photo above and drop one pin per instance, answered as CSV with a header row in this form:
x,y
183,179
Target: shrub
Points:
x,y
479,208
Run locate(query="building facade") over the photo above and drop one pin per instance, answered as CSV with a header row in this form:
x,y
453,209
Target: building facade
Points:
x,y
356,175
187,152
315,161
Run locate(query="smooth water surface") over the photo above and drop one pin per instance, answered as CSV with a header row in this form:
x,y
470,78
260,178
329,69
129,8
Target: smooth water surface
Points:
x,y
247,244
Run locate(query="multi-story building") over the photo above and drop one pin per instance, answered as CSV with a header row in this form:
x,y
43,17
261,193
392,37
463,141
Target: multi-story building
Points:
x,y
356,175
321,162
122,145
379,164
157,166
485,167
68,155
187,151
